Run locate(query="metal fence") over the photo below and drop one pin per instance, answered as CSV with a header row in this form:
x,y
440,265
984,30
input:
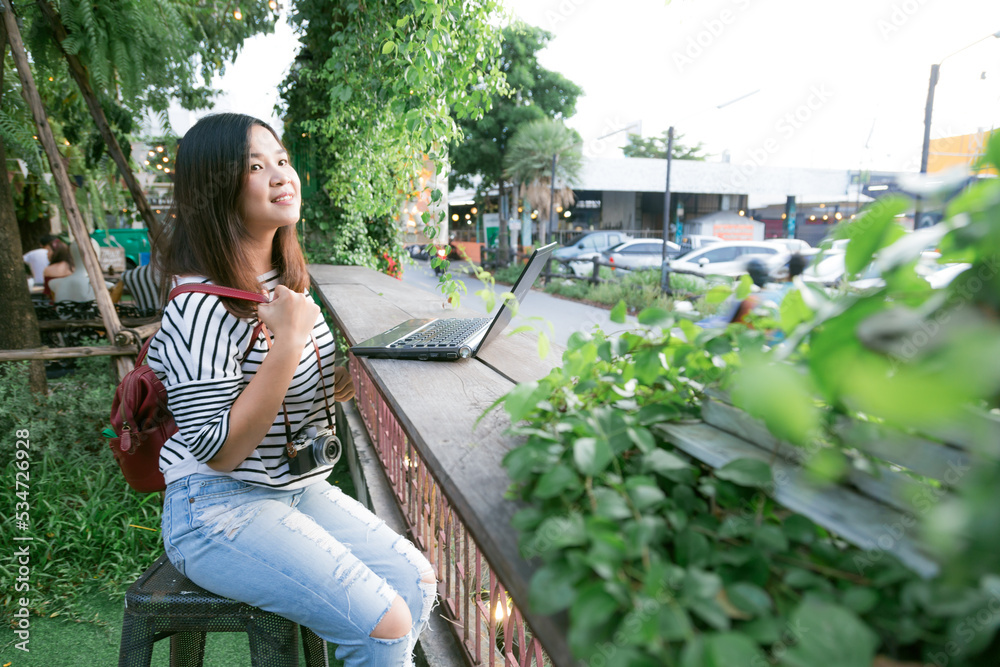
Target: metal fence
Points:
x,y
490,629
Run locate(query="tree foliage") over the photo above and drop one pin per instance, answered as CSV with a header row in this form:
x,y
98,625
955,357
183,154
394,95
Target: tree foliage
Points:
x,y
529,161
373,95
656,147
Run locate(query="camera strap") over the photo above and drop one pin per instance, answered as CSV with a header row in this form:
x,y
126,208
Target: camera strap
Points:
x,y
289,447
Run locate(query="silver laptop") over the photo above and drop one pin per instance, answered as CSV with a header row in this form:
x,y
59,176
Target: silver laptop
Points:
x,y
452,337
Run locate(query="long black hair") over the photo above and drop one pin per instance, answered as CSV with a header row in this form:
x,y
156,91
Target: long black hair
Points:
x,y
205,234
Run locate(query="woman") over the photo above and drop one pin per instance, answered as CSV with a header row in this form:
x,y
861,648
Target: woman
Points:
x,y
238,519
60,264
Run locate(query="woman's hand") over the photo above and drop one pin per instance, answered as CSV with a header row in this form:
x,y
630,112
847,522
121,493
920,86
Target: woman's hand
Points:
x,y
289,315
343,385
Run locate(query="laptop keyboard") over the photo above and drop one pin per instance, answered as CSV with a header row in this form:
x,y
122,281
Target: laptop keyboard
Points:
x,y
448,332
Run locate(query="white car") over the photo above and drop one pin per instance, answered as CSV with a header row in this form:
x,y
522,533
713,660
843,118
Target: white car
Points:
x,y
791,245
639,254
726,258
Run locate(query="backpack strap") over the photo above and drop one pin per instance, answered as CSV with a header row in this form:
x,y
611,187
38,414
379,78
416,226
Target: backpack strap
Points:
x,y
218,290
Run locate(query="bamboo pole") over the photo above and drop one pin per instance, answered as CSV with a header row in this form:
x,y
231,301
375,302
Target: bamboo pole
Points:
x,y
30,92
82,78
32,353
127,323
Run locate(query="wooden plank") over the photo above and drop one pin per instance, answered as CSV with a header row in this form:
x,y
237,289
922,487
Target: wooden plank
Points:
x,y
31,353
859,520
891,487
976,431
923,457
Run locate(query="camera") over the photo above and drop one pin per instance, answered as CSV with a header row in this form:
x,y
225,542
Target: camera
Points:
x,y
313,448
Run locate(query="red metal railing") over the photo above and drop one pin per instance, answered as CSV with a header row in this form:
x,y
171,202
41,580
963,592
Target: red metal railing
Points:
x,y
490,629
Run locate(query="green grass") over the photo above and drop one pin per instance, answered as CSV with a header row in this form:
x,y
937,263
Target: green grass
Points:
x,y
92,536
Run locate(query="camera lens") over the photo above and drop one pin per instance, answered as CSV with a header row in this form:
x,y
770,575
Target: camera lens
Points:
x,y
326,448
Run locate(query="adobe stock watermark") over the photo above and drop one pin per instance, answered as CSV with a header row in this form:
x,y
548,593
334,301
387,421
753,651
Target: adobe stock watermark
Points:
x,y
595,148
562,12
707,35
984,619
785,128
899,15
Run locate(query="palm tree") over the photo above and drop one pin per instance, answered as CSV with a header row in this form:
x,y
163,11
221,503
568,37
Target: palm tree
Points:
x,y
544,156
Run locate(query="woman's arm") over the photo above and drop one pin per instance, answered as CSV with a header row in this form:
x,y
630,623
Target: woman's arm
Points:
x,y
290,318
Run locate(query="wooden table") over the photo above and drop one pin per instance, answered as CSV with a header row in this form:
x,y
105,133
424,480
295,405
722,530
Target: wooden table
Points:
x,y
438,405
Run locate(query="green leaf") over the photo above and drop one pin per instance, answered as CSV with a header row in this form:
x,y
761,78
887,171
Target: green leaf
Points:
x,y
673,622
555,481
388,47
718,294
551,590
692,548
744,287
780,396
746,472
770,538
591,455
749,598
728,649
992,155
644,492
618,313
558,532
642,438
860,600
543,345
793,310
523,399
592,608
874,229
654,317
799,529
829,635
662,462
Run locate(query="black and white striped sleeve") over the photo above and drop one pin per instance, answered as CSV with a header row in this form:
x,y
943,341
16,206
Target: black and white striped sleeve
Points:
x,y
198,349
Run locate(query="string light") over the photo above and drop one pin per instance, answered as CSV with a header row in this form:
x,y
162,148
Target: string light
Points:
x,y
159,149
166,159
237,14
273,5
454,217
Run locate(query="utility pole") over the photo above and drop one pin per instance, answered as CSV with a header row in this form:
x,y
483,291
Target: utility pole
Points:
x,y
664,279
542,236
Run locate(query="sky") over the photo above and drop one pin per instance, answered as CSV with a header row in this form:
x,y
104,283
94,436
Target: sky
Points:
x,y
836,84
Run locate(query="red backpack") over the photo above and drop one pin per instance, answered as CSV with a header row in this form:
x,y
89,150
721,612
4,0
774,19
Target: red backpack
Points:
x,y
139,415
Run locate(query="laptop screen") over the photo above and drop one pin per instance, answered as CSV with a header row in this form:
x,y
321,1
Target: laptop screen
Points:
x,y
524,282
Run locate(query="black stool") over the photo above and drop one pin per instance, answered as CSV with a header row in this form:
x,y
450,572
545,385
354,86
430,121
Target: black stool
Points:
x,y
165,603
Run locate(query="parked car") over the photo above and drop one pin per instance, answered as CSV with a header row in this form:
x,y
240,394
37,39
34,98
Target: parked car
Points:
x,y
791,245
590,244
726,258
639,254
696,241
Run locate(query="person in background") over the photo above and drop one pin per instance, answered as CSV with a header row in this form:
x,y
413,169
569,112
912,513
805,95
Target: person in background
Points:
x,y
60,264
38,258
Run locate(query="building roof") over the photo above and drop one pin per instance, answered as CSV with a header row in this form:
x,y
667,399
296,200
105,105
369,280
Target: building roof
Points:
x,y
765,185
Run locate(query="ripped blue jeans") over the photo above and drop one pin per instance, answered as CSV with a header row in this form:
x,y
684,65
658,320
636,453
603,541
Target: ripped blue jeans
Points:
x,y
314,556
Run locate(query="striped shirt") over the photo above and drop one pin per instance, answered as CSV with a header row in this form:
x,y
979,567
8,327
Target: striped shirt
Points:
x,y
197,355
143,283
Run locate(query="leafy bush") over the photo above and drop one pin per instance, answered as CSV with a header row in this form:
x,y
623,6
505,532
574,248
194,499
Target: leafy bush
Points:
x,y
660,560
